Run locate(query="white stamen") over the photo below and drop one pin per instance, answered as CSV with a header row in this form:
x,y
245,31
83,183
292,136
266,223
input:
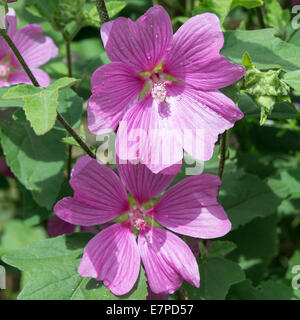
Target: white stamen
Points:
x,y
4,71
159,91
138,219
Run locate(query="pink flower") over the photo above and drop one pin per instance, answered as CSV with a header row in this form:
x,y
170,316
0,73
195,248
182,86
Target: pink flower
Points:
x,y
297,105
4,168
114,255
35,48
8,1
174,115
57,227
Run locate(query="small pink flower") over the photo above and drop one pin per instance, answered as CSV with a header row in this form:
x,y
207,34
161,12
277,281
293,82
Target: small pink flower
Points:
x,y
57,227
114,255
4,168
35,48
297,105
9,1
186,114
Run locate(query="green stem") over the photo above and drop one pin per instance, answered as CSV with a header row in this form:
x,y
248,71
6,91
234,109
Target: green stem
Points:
x,y
34,81
260,17
188,7
69,58
222,154
291,35
102,11
70,74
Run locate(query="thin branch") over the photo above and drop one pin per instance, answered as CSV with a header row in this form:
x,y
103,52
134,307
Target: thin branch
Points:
x,y
36,84
70,74
222,154
102,11
69,58
291,35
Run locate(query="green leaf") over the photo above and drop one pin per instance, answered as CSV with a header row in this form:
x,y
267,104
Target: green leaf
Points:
x,y
257,245
247,63
43,8
33,214
249,4
40,104
245,197
222,7
52,266
71,141
179,19
219,7
18,235
267,290
220,248
276,17
281,110
217,275
292,78
266,50
37,161
286,183
70,107
9,103
272,290
113,8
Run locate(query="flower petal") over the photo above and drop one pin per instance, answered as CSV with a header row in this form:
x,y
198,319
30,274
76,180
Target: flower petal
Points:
x,y
148,133
81,213
141,44
142,183
213,74
115,87
99,195
167,259
201,116
112,256
21,77
191,208
197,42
4,168
35,47
99,186
10,17
56,227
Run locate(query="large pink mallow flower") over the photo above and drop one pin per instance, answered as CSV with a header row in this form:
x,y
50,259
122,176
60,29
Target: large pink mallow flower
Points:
x,y
114,255
34,46
179,76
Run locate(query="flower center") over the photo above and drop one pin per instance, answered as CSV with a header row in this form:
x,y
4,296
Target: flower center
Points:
x,y
159,91
156,82
4,71
138,219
